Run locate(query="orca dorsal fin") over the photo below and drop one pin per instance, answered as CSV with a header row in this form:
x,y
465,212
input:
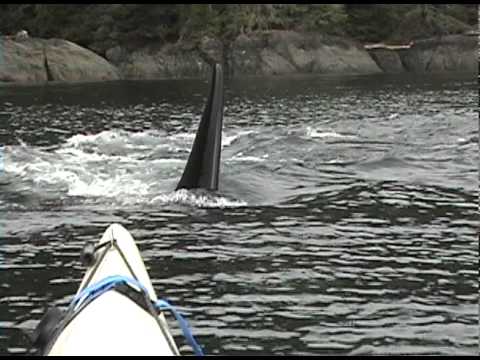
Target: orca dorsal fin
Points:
x,y
203,165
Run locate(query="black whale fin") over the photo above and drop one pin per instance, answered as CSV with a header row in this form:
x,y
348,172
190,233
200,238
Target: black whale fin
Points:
x,y
203,164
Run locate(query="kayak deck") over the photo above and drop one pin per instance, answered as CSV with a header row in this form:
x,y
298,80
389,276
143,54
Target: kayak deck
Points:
x,y
114,324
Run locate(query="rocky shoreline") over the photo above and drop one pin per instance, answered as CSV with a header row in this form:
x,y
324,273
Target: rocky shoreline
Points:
x,y
450,53
36,61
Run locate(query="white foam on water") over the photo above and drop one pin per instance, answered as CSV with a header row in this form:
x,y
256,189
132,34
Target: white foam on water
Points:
x,y
186,197
167,161
102,165
315,133
110,187
128,138
28,168
56,176
2,161
81,139
78,155
15,169
182,136
227,140
240,157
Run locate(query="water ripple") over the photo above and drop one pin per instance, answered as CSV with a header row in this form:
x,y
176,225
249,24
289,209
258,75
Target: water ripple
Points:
x,y
346,222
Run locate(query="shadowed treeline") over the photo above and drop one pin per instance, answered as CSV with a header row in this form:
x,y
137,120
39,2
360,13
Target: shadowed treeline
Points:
x,y
102,26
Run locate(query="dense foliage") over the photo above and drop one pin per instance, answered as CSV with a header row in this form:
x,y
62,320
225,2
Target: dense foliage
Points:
x,y
101,26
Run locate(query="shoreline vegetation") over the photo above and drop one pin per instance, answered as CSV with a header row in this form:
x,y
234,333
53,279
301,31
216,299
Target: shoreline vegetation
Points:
x,y
68,43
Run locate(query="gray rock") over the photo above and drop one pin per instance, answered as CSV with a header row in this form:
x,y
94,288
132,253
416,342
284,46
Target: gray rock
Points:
x,y
283,52
35,60
246,56
333,59
115,55
448,53
70,62
303,60
165,62
212,49
273,63
30,60
388,60
22,62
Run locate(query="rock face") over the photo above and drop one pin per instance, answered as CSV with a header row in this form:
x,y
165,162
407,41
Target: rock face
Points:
x,y
70,62
268,53
154,62
37,61
448,53
22,62
33,60
285,52
388,60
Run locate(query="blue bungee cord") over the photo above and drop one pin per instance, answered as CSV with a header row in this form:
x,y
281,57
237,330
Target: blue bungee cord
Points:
x,y
98,288
164,305
95,290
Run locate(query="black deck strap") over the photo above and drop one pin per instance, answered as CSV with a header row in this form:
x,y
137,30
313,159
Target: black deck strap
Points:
x,y
115,245
45,329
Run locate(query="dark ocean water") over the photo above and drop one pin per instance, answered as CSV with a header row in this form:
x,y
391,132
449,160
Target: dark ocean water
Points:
x,y
346,220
